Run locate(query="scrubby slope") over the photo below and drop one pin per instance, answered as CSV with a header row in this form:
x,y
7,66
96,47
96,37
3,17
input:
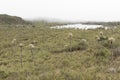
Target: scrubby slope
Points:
x,y
11,20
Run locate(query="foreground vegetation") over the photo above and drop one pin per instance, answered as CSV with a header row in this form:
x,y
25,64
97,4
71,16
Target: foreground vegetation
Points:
x,y
58,55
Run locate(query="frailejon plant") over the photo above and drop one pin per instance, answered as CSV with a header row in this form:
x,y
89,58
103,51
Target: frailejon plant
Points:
x,y
83,44
13,42
21,49
70,37
34,42
101,37
111,40
97,37
101,33
31,49
83,40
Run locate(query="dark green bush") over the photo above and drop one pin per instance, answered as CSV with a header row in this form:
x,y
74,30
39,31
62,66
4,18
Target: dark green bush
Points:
x,y
108,45
102,52
3,74
79,46
103,38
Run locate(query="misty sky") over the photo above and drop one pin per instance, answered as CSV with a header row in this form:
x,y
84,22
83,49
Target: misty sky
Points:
x,y
72,10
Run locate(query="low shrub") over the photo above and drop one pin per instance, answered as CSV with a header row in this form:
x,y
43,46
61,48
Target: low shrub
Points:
x,y
82,45
108,45
102,52
3,74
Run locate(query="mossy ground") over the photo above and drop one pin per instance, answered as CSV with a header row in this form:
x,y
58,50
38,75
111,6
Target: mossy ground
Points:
x,y
51,60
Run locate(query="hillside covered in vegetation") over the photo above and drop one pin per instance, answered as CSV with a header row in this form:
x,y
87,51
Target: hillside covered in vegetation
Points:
x,y
11,20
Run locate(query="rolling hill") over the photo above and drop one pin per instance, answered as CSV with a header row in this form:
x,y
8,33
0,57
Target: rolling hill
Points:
x,y
11,20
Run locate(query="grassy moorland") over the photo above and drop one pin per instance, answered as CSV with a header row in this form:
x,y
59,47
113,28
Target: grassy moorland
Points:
x,y
59,54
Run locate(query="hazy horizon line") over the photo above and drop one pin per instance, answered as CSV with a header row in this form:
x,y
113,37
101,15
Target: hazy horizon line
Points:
x,y
51,19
